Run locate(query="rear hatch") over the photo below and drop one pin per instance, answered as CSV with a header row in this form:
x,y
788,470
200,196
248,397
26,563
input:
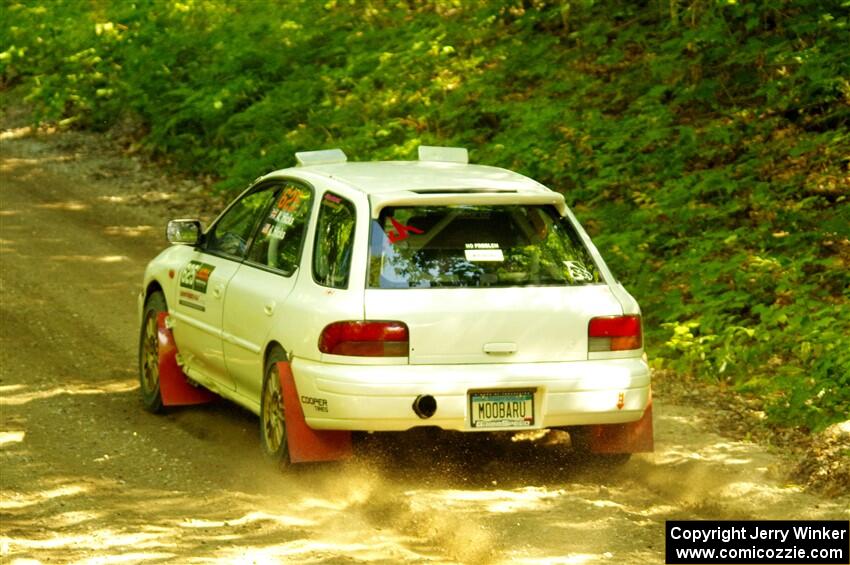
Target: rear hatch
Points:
x,y
485,284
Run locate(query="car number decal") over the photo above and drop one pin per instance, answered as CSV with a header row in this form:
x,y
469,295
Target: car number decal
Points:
x,y
289,200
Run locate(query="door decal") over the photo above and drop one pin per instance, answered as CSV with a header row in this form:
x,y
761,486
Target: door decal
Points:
x,y
196,276
194,280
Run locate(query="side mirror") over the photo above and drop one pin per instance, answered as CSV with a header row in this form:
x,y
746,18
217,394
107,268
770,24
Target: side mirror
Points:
x,y
186,232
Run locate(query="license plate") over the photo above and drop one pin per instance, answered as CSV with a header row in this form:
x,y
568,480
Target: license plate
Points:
x,y
501,409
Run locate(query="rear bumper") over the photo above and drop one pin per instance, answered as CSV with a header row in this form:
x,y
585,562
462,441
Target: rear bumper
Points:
x,y
380,397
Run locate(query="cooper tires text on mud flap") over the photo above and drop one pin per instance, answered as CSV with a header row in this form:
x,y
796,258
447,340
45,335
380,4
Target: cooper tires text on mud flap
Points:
x,y
149,353
272,421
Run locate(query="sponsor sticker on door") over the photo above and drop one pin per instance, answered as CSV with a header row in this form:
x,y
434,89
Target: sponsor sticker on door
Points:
x,y
196,275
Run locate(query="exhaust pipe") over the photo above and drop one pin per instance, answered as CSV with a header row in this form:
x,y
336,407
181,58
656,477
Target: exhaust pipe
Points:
x,y
424,406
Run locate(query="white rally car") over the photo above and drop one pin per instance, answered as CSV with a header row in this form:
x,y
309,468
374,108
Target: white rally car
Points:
x,y
376,296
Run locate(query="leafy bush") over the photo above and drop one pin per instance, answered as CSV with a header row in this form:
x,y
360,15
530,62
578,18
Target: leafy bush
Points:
x,y
704,144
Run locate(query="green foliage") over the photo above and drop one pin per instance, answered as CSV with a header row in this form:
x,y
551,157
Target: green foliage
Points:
x,y
703,143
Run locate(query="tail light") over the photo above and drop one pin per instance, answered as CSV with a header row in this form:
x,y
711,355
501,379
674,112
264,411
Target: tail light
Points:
x,y
365,339
614,333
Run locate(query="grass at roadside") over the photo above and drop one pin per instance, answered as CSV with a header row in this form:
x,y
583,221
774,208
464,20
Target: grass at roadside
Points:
x,y
704,145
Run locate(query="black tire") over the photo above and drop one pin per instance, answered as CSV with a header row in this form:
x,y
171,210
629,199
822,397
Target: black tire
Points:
x,y
272,418
149,353
580,441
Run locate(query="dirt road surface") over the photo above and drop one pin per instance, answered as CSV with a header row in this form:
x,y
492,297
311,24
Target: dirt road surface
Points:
x,y
88,476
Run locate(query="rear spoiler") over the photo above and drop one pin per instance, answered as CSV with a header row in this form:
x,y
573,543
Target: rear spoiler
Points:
x,y
379,201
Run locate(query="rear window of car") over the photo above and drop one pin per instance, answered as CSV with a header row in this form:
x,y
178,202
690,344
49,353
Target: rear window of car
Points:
x,y
476,246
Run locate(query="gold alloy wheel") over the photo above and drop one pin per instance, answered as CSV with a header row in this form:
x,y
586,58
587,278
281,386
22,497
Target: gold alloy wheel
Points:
x,y
150,354
273,420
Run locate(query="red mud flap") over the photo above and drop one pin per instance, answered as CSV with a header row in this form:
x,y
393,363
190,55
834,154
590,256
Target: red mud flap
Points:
x,y
174,389
305,443
634,437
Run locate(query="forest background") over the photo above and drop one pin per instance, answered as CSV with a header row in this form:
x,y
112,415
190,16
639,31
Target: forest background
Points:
x,y
704,144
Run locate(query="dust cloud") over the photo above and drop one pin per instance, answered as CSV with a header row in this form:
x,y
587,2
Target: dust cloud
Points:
x,y
87,476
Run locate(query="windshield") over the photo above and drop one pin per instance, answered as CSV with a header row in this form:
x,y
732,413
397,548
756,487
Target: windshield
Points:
x,y
476,246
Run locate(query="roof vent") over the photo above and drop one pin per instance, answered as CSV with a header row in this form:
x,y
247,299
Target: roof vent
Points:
x,y
324,157
443,154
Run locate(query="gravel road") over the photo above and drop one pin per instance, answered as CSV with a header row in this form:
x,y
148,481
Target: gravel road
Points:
x,y
88,476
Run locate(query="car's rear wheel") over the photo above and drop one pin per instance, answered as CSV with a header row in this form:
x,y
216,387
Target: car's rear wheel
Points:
x,y
149,353
272,416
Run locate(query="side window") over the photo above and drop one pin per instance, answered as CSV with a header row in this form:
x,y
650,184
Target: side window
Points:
x,y
232,234
334,241
279,241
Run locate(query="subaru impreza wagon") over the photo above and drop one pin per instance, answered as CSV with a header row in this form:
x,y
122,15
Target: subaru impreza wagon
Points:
x,y
340,296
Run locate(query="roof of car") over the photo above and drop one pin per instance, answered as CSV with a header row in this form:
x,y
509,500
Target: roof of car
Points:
x,y
375,177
